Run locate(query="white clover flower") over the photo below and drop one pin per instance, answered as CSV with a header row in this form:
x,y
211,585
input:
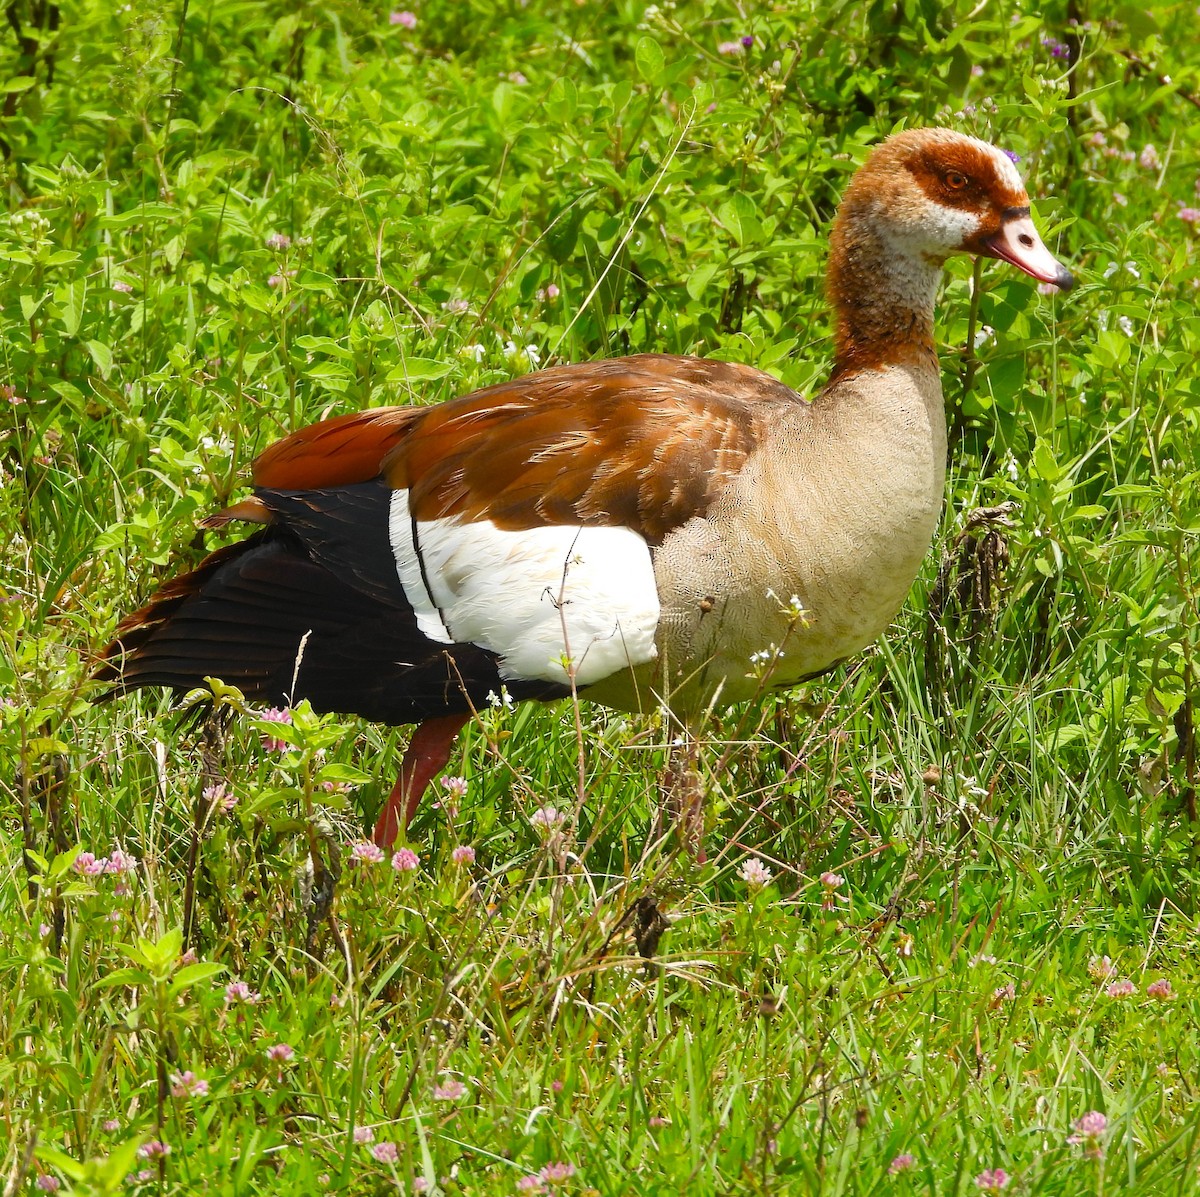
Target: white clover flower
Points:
x,y
754,873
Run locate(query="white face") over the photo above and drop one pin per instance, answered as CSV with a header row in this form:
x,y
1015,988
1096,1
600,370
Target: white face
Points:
x,y
953,190
937,233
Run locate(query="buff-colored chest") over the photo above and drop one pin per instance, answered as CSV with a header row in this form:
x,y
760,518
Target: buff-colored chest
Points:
x,y
810,553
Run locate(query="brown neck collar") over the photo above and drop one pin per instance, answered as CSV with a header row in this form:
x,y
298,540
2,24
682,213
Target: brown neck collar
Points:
x,y
882,295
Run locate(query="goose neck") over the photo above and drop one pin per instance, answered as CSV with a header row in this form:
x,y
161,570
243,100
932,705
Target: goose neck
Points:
x,y
882,287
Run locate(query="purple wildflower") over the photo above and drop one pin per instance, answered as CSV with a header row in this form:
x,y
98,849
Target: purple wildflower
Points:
x,y
754,873
547,819
88,864
240,993
386,1152
281,1053
221,796
406,861
156,1149
120,862
188,1084
279,715
1160,990
455,789
364,1134
831,883
1089,1133
121,285
463,855
902,1163
366,852
991,1181
450,1090
406,19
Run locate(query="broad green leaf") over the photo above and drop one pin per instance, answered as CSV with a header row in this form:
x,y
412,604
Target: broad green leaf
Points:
x,y
415,369
699,279
101,355
650,59
191,974
1044,463
74,297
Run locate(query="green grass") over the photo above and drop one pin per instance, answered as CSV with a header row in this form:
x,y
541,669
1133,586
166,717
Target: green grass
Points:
x,y
505,184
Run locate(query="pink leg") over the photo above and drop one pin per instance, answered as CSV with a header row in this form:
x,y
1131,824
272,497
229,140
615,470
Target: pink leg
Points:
x,y
427,754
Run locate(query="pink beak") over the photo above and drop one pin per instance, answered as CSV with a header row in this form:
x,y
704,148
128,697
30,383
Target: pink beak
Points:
x,y
1018,242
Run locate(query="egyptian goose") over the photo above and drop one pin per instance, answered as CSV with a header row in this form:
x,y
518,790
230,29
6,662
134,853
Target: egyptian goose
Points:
x,y
640,530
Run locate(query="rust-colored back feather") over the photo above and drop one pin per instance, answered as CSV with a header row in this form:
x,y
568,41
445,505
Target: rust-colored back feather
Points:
x,y
337,452
645,442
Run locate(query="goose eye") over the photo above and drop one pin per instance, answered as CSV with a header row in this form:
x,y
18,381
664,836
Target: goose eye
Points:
x,y
955,180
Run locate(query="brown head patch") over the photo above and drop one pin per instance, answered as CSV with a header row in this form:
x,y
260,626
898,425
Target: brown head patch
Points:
x,y
965,174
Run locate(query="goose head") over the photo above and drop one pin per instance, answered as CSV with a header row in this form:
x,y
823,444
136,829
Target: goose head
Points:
x,y
925,194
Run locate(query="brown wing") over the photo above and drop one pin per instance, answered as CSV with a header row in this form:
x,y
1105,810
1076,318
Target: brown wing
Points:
x,y
644,442
337,452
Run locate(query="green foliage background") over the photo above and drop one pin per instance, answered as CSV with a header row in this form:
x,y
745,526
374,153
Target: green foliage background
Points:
x,y
503,185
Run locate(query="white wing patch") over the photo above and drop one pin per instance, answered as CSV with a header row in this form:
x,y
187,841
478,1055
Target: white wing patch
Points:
x,y
540,599
408,566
